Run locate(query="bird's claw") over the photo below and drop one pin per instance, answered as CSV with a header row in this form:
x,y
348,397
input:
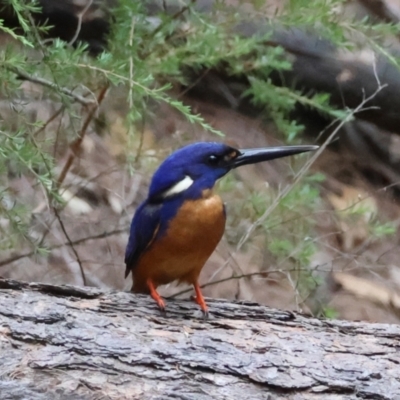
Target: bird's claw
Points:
x,y
163,311
203,307
206,314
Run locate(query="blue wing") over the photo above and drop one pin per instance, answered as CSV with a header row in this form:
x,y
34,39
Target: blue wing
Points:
x,y
144,228
150,222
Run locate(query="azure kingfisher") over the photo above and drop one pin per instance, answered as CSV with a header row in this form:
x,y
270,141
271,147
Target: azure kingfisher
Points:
x,y
176,229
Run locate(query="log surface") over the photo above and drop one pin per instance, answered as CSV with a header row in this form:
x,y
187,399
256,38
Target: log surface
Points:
x,y
65,342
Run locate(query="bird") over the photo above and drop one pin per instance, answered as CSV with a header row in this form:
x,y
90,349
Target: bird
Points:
x,y
178,226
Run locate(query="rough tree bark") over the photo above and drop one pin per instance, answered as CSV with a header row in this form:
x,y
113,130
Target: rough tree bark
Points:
x,y
64,342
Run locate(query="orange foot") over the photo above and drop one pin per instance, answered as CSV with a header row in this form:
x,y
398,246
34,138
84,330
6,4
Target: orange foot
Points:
x,y
199,299
154,294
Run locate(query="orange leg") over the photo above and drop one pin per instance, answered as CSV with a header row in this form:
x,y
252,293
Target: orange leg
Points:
x,y
199,299
154,294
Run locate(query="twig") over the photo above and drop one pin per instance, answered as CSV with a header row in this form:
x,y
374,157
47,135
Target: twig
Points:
x,y
305,168
75,146
194,83
68,243
237,277
174,16
44,82
60,221
381,10
80,17
36,33
131,33
52,118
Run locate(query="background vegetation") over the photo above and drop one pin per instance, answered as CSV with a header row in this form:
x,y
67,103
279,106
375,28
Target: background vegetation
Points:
x,y
81,134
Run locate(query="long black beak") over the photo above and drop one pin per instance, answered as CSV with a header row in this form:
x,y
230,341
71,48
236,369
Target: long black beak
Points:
x,y
252,156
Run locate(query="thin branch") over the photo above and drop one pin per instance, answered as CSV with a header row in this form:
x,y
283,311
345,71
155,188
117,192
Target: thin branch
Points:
x,y
60,221
305,168
44,82
68,243
243,276
174,16
80,17
382,11
51,119
75,146
36,33
194,83
131,33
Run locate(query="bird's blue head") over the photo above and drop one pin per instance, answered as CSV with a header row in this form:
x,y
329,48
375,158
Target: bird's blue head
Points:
x,y
196,167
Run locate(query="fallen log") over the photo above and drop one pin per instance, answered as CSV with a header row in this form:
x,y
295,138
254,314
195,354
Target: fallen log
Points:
x,y
65,342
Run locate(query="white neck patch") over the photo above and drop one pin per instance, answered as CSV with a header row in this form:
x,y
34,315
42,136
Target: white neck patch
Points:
x,y
179,187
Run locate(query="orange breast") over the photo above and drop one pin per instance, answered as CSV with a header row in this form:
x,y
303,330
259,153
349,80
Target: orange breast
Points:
x,y
182,252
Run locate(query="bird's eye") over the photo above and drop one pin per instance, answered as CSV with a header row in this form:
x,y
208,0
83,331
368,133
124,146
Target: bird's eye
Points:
x,y
212,160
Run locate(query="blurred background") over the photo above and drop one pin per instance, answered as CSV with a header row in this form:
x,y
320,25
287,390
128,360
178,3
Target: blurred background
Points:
x,y
95,94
